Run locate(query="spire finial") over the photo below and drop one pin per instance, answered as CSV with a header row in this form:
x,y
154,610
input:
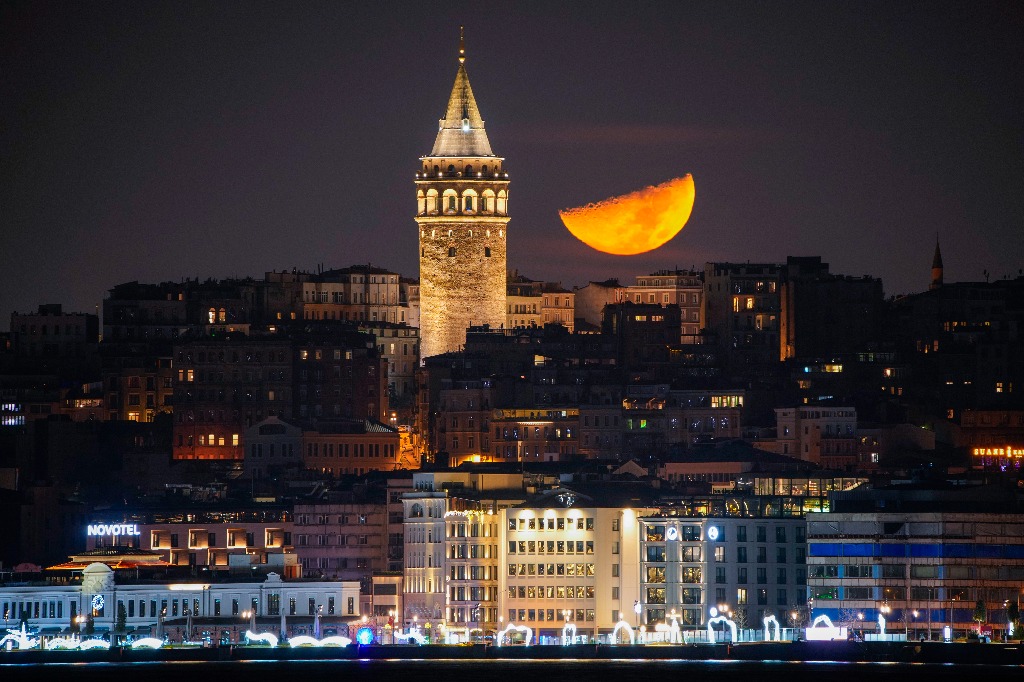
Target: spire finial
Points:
x,y
462,46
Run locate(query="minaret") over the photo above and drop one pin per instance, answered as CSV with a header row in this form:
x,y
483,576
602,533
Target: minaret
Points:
x,y
936,267
462,214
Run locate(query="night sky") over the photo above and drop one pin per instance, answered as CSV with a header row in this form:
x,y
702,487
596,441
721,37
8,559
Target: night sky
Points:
x,y
156,141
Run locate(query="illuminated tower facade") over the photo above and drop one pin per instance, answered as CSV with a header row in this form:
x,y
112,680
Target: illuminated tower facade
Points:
x,y
462,214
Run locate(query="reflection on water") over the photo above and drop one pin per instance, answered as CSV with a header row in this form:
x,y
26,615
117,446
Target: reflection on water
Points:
x,y
511,671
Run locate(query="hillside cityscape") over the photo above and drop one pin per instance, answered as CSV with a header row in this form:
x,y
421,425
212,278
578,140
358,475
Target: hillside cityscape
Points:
x,y
462,450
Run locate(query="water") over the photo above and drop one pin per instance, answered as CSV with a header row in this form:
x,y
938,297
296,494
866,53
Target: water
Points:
x,y
405,670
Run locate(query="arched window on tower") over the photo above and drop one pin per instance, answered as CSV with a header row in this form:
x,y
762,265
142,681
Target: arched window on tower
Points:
x,y
487,252
451,252
484,169
451,169
469,171
452,206
487,201
421,202
502,207
431,207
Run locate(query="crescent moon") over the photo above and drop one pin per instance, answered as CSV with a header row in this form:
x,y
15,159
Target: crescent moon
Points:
x,y
633,223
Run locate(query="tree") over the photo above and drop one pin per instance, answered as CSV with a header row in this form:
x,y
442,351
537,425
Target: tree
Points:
x,y
980,614
847,618
122,618
1013,614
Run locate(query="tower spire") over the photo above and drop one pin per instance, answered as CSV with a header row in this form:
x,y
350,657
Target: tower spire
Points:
x,y
461,131
936,265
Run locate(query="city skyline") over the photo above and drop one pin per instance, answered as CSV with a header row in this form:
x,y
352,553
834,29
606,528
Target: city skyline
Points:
x,y
149,144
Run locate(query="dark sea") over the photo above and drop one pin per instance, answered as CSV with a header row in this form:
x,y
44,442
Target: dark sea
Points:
x,y
406,670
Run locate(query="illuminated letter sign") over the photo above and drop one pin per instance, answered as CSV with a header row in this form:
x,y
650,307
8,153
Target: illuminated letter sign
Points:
x,y
712,533
1008,451
102,529
672,533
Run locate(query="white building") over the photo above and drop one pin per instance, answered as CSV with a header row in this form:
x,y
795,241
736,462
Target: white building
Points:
x,y
93,604
567,559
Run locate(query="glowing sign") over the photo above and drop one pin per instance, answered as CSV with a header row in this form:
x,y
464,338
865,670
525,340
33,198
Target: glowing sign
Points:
x,y
62,643
364,636
881,624
827,632
568,633
716,619
103,529
1008,451
19,637
623,625
98,602
673,631
147,643
712,533
672,533
414,636
771,620
512,627
93,644
305,640
270,639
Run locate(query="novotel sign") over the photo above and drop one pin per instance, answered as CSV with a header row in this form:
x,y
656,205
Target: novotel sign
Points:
x,y
101,529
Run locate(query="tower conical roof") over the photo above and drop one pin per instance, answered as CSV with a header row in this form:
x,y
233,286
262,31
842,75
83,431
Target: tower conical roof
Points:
x,y
937,258
461,131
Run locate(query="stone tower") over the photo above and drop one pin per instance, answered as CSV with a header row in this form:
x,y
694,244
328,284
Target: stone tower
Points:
x,y
462,214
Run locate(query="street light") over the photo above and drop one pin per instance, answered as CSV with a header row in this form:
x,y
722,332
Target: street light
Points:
x,y
250,614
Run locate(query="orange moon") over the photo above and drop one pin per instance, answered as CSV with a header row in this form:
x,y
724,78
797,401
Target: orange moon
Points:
x,y
633,223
